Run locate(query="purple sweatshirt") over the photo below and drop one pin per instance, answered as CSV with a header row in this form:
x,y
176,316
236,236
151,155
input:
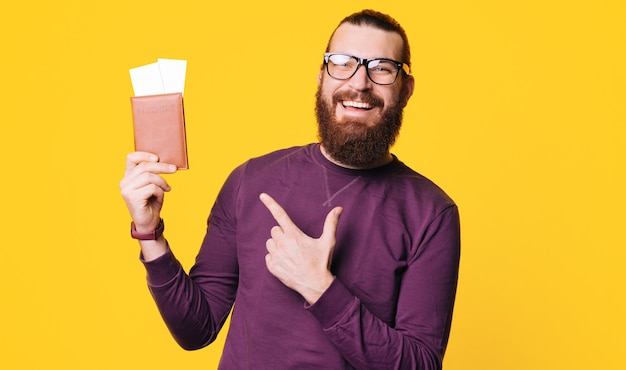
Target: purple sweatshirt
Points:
x,y
395,264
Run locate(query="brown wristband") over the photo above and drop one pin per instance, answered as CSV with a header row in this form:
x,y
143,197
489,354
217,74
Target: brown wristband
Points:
x,y
150,236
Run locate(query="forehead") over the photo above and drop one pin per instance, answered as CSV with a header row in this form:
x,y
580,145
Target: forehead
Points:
x,y
366,42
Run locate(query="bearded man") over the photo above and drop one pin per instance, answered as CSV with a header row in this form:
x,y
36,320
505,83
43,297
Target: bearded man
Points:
x,y
334,255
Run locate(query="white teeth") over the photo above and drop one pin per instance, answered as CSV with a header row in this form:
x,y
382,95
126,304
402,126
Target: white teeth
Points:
x,y
356,104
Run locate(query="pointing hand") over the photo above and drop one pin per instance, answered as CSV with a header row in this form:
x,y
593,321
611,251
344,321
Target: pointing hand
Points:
x,y
299,261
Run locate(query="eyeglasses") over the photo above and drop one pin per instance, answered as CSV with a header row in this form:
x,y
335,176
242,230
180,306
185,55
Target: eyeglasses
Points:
x,y
381,71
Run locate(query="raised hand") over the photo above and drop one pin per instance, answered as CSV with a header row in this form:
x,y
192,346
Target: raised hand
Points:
x,y
143,189
299,261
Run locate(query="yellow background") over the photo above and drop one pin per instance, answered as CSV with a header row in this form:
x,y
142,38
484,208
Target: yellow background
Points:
x,y
519,114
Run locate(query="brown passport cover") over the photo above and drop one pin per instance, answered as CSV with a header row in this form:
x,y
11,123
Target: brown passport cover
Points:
x,y
159,126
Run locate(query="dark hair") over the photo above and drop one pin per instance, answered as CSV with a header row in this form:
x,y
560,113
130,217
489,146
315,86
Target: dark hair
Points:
x,y
373,18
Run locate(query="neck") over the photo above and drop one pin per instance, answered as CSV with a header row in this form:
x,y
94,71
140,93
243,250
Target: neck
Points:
x,y
383,160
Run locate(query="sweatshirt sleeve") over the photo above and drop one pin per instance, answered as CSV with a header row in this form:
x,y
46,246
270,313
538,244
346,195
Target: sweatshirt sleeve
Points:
x,y
424,313
195,305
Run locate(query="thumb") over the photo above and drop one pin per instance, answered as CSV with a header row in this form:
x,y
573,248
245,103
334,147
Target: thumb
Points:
x,y
330,225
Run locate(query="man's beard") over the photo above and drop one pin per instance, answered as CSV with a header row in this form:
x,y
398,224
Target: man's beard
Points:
x,y
355,143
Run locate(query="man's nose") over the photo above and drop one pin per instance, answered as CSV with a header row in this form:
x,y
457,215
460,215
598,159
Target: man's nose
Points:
x,y
360,80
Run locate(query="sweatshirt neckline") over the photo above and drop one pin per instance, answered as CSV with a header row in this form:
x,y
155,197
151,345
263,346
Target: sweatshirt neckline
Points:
x,y
322,160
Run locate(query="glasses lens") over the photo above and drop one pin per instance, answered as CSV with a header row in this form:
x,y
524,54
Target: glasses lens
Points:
x,y
382,71
341,66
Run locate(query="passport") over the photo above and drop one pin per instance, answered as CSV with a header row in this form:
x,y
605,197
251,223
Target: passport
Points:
x,y
159,127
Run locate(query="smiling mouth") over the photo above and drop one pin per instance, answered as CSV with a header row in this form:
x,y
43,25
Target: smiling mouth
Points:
x,y
356,104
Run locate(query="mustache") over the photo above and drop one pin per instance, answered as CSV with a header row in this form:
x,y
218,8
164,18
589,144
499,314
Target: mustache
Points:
x,y
365,97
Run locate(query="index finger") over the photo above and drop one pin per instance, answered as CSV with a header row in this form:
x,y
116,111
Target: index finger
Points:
x,y
279,214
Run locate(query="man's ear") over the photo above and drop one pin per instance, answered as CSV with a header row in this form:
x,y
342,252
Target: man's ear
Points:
x,y
407,89
319,77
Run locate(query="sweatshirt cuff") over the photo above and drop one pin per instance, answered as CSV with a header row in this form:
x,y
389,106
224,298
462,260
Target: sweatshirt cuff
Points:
x,y
335,304
162,270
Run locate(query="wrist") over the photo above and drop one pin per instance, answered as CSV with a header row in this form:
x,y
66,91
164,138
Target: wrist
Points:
x,y
312,294
153,249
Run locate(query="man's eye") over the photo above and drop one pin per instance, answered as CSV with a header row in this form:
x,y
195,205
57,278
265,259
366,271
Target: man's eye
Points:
x,y
382,67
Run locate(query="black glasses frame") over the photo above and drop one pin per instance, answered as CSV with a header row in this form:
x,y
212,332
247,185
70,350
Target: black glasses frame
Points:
x,y
362,61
